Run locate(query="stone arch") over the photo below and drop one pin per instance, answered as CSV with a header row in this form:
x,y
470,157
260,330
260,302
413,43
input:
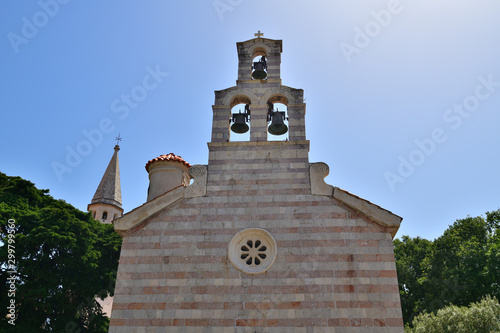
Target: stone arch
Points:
x,y
239,99
278,129
258,68
240,118
273,95
237,95
259,50
278,98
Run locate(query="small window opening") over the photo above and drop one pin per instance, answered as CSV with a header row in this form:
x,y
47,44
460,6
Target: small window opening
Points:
x,y
240,122
253,252
259,68
277,117
104,216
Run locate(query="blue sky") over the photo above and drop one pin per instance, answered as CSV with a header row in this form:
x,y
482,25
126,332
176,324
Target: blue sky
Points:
x,y
403,97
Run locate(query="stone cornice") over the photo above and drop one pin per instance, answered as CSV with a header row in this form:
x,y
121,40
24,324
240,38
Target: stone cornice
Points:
x,y
139,215
388,220
258,143
376,213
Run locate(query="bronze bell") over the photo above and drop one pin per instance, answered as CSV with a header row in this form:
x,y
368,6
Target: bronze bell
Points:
x,y
277,126
240,123
260,67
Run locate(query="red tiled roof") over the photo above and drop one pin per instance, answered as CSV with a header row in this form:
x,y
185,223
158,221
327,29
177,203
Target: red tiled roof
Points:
x,y
167,157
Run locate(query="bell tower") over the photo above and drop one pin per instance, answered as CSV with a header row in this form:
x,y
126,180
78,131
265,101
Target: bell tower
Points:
x,y
259,89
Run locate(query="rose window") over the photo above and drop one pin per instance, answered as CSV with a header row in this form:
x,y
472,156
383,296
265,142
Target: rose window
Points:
x,y
252,250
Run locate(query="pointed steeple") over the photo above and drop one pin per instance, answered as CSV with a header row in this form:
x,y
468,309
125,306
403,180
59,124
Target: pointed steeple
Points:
x,y
107,202
109,190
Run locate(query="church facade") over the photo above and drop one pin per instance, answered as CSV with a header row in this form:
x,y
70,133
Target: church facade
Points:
x,y
258,242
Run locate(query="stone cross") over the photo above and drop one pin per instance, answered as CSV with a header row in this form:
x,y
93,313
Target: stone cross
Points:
x,y
259,34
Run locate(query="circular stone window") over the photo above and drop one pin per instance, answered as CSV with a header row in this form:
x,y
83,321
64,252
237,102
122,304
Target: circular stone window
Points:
x,y
252,250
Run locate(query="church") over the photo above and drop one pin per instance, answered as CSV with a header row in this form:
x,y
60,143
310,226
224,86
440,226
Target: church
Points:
x,y
255,240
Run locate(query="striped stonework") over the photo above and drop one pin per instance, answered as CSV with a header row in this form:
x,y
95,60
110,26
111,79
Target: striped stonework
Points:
x,y
334,268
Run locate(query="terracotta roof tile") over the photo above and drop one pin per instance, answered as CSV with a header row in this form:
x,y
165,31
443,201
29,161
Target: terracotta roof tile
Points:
x,y
168,157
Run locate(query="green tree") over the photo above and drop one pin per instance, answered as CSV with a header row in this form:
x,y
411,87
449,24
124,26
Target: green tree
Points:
x,y
480,317
493,253
459,267
64,260
410,253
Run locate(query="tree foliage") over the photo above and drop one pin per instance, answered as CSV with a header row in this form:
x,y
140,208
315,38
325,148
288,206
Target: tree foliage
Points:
x,y
460,267
479,317
410,253
64,260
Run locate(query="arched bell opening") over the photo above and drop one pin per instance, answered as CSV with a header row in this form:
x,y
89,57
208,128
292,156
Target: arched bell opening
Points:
x,y
240,122
259,67
277,118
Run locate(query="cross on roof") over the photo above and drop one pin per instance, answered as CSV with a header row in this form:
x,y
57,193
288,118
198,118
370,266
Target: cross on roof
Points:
x,y
259,34
118,139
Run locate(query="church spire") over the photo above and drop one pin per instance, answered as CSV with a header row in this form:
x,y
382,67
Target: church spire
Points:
x,y
106,205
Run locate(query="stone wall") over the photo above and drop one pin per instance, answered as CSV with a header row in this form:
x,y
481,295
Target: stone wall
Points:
x,y
334,269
